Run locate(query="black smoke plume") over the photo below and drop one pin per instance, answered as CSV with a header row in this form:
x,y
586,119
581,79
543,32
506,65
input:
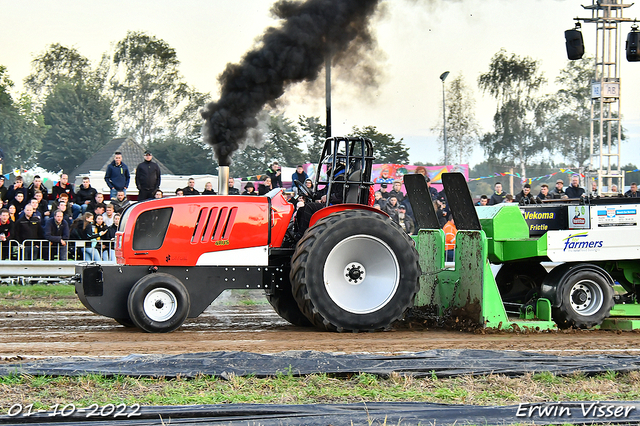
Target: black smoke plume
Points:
x,y
296,51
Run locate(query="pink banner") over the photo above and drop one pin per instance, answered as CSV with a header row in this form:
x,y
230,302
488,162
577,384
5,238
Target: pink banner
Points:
x,y
388,173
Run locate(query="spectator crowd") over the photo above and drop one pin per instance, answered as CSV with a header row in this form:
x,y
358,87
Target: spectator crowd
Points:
x,y
43,223
573,191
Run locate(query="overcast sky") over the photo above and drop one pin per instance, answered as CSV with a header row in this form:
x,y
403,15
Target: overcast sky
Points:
x,y
420,40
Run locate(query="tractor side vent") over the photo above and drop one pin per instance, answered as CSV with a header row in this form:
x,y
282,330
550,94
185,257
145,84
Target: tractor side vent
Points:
x,y
214,224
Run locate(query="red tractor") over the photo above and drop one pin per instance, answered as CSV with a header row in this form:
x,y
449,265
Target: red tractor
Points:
x,y
352,269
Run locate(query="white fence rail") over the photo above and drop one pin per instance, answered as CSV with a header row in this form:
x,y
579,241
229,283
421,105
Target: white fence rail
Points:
x,y
35,260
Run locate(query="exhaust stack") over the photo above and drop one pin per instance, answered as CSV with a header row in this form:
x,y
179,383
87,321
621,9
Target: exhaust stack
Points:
x,y
223,180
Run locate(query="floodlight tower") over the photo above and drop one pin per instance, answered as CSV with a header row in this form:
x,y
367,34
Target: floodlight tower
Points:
x,y
605,127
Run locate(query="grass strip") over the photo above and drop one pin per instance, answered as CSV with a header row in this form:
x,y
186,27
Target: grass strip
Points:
x,y
62,296
83,391
58,296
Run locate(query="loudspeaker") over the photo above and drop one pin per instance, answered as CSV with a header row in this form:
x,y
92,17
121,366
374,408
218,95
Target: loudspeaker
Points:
x,y
633,40
575,44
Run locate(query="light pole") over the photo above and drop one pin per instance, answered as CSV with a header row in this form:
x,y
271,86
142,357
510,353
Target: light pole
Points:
x,y
443,77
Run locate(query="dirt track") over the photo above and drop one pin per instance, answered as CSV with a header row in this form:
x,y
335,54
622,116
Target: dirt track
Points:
x,y
45,333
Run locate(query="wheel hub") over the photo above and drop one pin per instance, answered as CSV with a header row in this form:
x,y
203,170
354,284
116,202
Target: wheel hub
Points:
x,y
361,274
586,297
354,273
579,297
160,304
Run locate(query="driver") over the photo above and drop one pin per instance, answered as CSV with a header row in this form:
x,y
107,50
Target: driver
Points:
x,y
319,199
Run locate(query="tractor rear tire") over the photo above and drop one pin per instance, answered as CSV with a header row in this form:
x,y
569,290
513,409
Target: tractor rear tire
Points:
x,y
355,270
158,303
125,322
586,298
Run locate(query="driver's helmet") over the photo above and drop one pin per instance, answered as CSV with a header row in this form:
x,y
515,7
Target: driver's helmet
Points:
x,y
340,164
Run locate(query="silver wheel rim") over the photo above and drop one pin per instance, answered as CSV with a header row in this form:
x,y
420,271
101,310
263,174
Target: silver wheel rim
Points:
x,y
160,304
586,297
361,274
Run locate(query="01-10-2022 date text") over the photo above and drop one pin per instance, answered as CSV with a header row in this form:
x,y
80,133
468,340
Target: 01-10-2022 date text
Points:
x,y
67,410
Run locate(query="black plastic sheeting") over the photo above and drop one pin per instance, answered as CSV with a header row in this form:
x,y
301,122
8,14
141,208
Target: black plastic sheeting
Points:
x,y
439,362
375,413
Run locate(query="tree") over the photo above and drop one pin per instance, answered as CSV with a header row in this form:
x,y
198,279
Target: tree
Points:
x,y
248,162
21,127
385,148
285,141
462,127
184,156
569,129
80,123
148,89
55,64
314,133
519,121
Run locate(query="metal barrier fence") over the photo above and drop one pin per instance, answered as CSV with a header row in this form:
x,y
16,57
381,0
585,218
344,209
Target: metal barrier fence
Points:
x,y
37,260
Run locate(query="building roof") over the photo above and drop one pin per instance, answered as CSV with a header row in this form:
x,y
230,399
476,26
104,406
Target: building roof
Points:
x,y
132,155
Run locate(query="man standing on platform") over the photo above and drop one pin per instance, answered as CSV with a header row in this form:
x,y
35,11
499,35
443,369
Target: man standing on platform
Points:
x,y
117,175
147,177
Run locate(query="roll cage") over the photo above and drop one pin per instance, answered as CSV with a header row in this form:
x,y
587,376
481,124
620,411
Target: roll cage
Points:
x,y
351,157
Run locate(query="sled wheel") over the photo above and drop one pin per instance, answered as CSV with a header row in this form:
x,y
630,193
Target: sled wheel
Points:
x,y
515,280
586,298
355,270
158,303
126,322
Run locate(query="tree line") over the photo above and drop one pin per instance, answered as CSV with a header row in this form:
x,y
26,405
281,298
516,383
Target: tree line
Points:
x,y
71,108
530,127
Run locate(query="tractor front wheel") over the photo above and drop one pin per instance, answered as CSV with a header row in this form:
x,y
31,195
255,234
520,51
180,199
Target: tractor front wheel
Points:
x,y
355,270
158,303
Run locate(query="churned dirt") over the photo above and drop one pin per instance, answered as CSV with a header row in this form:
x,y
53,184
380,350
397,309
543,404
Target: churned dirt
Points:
x,y
45,332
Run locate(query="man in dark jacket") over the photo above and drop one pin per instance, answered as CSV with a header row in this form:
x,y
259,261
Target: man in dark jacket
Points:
x,y
232,187
117,175
86,194
525,196
544,192
299,175
397,191
558,192
275,174
35,185
18,186
121,202
3,189
190,189
6,232
28,228
498,195
147,177
57,232
574,190
64,187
